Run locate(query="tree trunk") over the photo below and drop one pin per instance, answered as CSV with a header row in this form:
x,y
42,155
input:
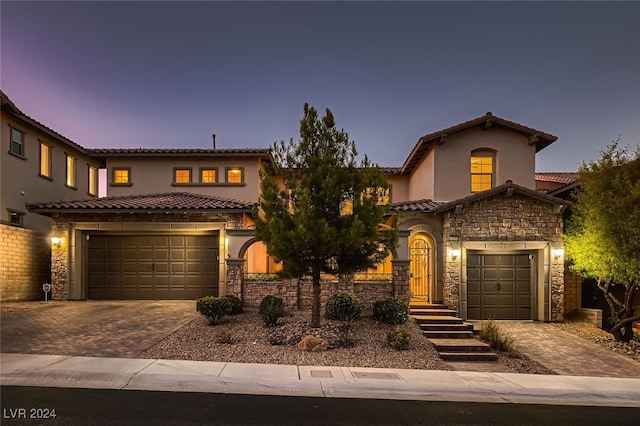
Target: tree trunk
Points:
x,y
622,330
315,307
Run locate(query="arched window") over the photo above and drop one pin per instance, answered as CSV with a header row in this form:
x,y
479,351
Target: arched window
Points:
x,y
482,169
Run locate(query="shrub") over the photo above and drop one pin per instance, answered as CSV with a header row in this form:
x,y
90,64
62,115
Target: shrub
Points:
x,y
499,340
235,304
343,307
399,338
213,308
225,337
391,310
271,309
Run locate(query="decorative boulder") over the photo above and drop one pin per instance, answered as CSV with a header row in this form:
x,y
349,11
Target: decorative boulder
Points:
x,y
313,344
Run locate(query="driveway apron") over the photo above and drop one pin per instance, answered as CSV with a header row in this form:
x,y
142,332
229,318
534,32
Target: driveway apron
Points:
x,y
121,329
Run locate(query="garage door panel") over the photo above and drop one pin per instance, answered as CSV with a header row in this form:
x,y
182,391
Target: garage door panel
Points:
x,y
152,267
489,274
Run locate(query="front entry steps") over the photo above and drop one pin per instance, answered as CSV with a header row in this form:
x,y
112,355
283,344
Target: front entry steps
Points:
x,y
452,337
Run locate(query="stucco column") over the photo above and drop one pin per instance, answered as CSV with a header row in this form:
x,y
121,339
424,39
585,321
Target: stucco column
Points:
x,y
400,279
235,272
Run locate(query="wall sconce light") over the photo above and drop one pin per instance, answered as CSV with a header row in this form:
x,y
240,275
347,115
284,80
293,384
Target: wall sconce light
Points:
x,y
455,253
56,241
557,253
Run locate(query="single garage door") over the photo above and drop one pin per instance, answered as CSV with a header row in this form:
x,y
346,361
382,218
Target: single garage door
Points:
x,y
498,286
152,266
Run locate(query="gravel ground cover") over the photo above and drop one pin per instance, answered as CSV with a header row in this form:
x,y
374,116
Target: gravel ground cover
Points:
x,y
244,338
591,332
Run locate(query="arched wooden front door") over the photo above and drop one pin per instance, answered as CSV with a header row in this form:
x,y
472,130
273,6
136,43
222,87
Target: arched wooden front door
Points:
x,y
420,254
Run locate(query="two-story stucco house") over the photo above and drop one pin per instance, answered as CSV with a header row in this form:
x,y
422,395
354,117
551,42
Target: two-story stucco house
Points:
x,y
475,234
36,163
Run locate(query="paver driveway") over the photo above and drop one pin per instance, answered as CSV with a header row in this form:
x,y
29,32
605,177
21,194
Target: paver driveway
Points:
x,y
121,329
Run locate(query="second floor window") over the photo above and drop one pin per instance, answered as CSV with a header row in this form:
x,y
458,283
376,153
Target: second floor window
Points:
x,y
481,171
17,142
182,175
234,175
208,176
121,177
71,171
93,181
45,160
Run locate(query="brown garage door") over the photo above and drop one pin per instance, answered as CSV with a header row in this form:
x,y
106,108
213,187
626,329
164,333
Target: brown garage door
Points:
x,y
153,266
498,286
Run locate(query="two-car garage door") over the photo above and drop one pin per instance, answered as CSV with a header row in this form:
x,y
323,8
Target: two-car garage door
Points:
x,y
152,266
498,286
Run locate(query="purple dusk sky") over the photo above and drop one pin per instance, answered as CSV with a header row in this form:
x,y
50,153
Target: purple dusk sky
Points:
x,y
169,74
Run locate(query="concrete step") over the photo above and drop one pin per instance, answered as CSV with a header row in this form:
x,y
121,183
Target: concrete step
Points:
x,y
433,311
460,345
427,305
436,319
469,356
447,334
446,327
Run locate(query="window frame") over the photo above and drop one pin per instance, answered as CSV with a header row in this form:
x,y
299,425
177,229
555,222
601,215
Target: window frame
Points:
x,y
175,175
18,214
482,153
71,176
50,165
113,176
215,172
226,175
22,143
92,171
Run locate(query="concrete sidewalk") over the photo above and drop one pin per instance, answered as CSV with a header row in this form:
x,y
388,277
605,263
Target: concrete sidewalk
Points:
x,y
329,382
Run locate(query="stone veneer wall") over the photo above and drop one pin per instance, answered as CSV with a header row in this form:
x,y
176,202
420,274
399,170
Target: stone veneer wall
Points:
x,y
572,292
24,263
503,219
61,225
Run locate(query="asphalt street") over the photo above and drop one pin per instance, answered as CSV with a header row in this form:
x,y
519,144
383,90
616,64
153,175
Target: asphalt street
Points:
x,y
32,405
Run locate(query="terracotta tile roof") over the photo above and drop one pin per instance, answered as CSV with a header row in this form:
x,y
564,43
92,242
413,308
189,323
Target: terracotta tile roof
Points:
x,y
559,177
415,206
172,201
134,152
537,137
9,107
505,188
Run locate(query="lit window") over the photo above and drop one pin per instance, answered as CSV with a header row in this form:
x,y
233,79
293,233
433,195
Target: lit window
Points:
x,y
93,181
208,175
71,171
182,175
121,176
17,142
45,160
234,175
481,172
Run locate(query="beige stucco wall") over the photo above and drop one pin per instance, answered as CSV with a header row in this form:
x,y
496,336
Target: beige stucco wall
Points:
x,y
152,175
399,188
444,173
21,175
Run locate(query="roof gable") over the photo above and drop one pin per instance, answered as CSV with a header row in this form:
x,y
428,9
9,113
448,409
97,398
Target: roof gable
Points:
x,y
537,137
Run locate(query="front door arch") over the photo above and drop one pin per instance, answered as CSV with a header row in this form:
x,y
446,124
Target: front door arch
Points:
x,y
421,268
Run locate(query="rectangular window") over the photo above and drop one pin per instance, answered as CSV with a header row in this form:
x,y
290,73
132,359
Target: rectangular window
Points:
x,y
208,175
17,142
15,218
71,171
93,181
121,176
481,173
45,160
234,175
182,176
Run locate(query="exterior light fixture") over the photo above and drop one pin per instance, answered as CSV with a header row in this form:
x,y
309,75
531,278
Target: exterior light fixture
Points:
x,y
56,241
557,253
455,253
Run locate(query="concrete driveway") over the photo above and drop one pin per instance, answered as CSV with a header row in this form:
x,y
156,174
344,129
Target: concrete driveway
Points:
x,y
120,329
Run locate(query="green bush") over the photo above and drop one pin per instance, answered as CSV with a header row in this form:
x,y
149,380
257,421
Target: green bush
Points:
x,y
399,338
391,310
213,308
499,340
271,309
235,304
343,307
